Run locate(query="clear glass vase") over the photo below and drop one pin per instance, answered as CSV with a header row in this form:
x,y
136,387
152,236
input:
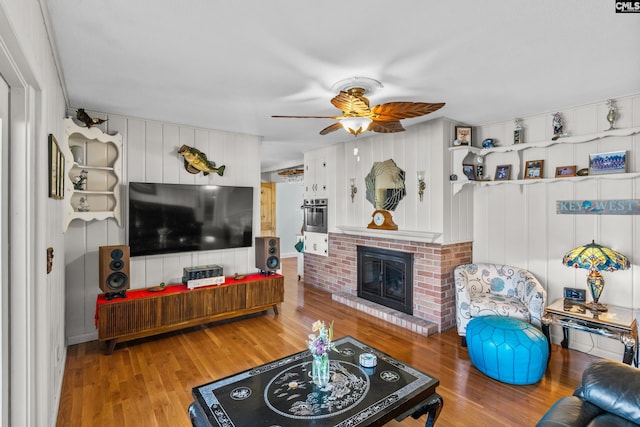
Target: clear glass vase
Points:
x,y
320,370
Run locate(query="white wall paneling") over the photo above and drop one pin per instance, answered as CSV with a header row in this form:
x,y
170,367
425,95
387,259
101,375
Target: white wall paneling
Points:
x,y
420,147
518,225
150,155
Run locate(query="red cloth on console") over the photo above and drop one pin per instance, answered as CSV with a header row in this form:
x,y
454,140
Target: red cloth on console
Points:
x,y
169,289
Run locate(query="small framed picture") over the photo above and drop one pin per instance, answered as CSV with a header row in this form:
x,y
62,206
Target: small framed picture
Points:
x,y
56,169
503,173
564,171
469,171
533,169
613,162
463,135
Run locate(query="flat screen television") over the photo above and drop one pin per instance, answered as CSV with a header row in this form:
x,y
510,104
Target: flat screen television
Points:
x,y
170,218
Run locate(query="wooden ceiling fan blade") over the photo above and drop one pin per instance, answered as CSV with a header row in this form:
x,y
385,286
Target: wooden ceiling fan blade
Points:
x,y
351,105
307,117
334,127
404,110
386,126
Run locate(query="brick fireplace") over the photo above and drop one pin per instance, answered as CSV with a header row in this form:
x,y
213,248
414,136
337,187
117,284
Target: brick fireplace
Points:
x,y
433,287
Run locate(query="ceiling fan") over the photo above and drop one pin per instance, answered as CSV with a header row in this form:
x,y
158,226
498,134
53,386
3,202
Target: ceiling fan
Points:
x,y
358,117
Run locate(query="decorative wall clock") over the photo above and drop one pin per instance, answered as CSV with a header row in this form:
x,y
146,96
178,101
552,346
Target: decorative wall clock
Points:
x,y
382,220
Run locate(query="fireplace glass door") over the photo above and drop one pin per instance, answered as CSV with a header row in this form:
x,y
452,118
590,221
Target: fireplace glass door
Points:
x,y
386,277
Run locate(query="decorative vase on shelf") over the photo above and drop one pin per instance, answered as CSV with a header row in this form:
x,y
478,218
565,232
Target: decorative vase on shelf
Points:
x,y
611,115
320,370
518,132
78,154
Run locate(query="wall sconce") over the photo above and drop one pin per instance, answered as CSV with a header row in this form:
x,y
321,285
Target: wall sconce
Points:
x,y
421,185
354,189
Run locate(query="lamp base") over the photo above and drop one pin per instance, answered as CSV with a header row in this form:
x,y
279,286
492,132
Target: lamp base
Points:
x,y
596,306
595,283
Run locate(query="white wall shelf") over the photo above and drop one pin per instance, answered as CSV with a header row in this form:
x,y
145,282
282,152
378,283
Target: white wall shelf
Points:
x,y
550,180
548,143
101,158
459,153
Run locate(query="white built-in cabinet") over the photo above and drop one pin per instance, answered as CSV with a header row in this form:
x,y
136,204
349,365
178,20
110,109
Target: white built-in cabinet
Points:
x,y
96,154
319,183
513,155
316,243
317,167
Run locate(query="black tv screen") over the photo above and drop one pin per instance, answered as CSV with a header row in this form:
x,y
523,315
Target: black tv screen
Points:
x,y
169,218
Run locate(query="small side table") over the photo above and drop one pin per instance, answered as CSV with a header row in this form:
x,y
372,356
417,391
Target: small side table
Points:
x,y
618,323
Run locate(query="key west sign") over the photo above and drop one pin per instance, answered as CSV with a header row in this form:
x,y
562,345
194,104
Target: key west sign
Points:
x,y
598,207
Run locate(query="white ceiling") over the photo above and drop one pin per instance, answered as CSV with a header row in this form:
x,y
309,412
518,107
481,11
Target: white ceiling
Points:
x,y
230,65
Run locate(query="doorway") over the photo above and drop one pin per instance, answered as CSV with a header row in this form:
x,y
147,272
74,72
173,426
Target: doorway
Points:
x,y
268,209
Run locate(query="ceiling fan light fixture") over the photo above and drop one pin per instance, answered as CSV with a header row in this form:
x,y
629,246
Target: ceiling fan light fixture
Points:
x,y
358,116
355,125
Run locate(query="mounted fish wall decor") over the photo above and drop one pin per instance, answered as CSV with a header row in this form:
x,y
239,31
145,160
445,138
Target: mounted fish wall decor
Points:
x,y
195,161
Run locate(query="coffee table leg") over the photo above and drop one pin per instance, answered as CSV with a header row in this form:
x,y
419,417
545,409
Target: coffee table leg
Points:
x,y
432,407
198,419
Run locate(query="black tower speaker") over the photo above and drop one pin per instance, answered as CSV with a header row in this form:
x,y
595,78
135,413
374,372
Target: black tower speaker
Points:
x,y
268,254
114,269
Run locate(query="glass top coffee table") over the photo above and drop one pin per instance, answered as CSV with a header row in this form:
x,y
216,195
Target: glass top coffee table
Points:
x,y
281,393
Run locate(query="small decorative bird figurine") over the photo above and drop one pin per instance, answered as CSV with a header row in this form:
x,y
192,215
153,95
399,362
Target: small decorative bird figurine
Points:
x,y
195,161
88,120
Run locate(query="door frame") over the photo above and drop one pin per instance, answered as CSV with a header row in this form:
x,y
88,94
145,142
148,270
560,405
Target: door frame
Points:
x,y
19,225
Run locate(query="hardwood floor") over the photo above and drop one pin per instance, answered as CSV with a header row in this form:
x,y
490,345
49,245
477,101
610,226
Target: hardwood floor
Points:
x,y
148,382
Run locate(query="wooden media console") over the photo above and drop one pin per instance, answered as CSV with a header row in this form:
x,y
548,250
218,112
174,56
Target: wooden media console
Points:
x,y
143,313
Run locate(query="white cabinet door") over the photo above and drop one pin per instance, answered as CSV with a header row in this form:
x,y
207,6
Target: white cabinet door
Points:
x,y
316,243
315,177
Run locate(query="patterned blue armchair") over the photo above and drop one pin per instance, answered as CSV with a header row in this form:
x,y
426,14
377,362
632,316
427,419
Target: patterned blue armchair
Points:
x,y
496,290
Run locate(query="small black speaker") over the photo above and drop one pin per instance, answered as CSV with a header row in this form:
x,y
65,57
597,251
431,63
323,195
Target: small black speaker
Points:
x,y
268,254
114,268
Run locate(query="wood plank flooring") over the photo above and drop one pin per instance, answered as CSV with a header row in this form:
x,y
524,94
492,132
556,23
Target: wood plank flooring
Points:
x,y
148,382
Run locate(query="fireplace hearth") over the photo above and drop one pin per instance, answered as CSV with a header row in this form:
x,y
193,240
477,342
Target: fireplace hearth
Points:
x,y
385,277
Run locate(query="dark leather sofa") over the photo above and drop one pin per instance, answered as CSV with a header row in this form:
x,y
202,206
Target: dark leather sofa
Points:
x,y
609,395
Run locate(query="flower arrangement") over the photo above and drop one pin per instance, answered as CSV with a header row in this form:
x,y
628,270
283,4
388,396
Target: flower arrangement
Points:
x,y
80,181
321,344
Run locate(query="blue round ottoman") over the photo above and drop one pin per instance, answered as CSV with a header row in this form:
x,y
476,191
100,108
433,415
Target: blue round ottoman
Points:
x,y
507,349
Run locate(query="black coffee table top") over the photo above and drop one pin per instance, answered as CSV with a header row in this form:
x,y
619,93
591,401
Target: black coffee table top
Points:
x,y
281,393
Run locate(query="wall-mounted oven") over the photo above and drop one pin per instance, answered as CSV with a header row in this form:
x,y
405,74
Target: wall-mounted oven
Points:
x,y
315,215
